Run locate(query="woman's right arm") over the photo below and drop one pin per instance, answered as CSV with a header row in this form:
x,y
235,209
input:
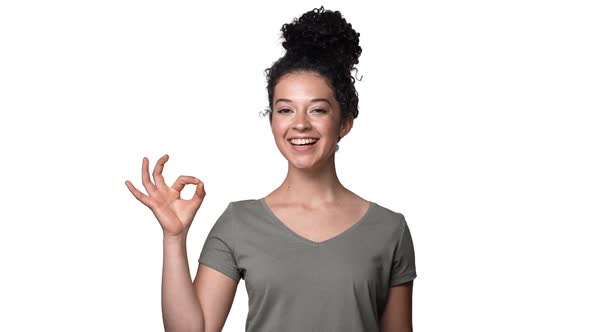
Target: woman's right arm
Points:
x,y
181,310
201,306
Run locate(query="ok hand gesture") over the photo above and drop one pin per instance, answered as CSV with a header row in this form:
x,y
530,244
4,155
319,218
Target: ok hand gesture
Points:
x,y
174,214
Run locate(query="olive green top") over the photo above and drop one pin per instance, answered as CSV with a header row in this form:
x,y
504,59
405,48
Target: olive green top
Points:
x,y
295,284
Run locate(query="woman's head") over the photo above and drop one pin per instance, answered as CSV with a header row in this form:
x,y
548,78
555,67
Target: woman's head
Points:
x,y
323,43
307,123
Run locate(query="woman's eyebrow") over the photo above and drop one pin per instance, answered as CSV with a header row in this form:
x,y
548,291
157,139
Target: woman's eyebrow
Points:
x,y
313,100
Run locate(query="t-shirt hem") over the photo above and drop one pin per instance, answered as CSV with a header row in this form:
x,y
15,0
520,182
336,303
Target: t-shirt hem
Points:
x,y
220,268
403,279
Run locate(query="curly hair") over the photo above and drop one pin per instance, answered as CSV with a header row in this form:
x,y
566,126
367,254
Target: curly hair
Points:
x,y
320,41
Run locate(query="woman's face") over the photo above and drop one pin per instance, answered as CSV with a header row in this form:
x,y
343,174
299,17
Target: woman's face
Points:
x,y
304,105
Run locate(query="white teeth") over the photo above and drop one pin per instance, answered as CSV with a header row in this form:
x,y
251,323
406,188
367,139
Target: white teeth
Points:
x,y
299,141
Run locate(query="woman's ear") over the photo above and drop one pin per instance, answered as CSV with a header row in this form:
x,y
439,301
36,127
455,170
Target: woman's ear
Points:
x,y
346,126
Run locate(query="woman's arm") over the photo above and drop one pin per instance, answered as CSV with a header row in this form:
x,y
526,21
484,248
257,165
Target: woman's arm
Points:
x,y
397,315
181,309
184,304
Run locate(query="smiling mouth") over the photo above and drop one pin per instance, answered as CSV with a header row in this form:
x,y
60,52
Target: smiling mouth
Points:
x,y
303,142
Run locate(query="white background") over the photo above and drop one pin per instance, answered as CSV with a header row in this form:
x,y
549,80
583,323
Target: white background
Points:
x,y
473,123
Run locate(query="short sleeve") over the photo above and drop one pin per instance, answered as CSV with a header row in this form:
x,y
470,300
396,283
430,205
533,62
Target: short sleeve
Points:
x,y
403,267
218,250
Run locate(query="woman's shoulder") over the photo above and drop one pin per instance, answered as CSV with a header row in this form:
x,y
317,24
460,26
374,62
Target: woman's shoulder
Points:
x,y
244,203
244,208
389,214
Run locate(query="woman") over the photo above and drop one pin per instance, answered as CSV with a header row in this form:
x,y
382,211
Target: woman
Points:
x,y
314,255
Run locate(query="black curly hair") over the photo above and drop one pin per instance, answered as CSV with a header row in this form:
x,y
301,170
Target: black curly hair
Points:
x,y
320,41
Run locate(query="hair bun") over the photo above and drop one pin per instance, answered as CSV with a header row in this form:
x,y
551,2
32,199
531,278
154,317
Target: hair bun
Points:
x,y
323,34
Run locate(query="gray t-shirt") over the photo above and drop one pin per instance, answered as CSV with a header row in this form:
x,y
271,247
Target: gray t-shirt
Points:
x,y
295,284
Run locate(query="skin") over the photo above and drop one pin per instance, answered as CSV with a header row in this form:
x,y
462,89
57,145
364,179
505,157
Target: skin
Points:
x,y
182,309
311,183
397,315
203,304
311,179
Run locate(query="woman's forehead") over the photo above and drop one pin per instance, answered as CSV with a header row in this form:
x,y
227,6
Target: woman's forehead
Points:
x,y
303,86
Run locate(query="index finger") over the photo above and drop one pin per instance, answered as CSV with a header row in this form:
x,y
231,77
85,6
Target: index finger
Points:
x,y
145,177
158,177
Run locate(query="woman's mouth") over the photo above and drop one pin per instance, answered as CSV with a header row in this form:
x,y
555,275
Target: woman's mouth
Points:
x,y
304,144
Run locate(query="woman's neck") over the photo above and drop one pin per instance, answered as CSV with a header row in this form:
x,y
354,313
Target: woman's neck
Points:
x,y
311,187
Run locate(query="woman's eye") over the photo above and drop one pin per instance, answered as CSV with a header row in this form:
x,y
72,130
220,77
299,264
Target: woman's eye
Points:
x,y
286,110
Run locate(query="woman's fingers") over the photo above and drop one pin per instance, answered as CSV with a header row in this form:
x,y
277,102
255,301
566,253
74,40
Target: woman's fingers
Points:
x,y
145,177
183,180
138,194
158,178
200,192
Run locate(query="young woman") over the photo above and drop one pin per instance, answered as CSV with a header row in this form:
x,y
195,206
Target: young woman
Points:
x,y
314,255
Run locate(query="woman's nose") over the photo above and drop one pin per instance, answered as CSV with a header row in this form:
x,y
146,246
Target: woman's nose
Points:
x,y
301,121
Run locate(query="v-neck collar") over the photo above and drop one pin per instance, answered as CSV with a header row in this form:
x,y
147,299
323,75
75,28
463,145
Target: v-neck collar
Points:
x,y
308,241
